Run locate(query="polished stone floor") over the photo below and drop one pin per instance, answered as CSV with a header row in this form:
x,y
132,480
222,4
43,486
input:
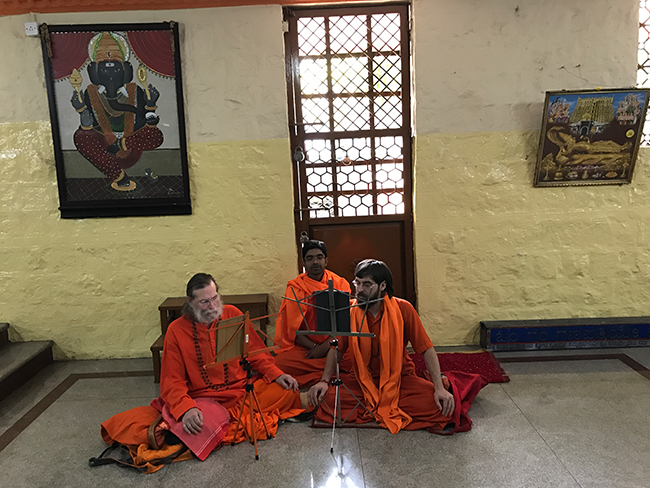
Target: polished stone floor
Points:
x,y
566,419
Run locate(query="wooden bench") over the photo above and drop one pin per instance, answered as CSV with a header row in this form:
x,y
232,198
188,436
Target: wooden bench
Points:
x,y
170,310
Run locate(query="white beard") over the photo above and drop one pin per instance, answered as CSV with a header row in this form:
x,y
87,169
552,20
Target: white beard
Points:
x,y
206,316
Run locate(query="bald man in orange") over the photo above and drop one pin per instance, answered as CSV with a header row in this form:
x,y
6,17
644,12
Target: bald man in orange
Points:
x,y
303,356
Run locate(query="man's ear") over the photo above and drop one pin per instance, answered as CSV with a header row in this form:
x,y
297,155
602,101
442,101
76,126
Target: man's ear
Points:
x,y
382,287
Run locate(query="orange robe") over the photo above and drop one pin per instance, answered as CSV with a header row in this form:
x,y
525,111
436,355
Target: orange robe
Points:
x,y
383,376
182,380
291,357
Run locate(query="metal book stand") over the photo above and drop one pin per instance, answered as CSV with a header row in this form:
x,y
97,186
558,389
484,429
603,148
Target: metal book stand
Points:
x,y
333,322
231,342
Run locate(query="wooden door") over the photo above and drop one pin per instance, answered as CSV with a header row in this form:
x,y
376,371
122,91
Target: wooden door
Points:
x,y
348,73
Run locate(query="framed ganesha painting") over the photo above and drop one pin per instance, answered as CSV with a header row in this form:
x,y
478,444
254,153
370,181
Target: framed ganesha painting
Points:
x,y
118,125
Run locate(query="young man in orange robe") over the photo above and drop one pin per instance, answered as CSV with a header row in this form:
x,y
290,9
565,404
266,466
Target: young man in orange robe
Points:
x,y
303,356
190,393
383,375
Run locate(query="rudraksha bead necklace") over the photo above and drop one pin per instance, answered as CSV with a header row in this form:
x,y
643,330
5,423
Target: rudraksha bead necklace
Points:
x,y
202,370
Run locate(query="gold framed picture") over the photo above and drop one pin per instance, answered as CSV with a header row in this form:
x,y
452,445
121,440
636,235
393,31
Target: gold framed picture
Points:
x,y
590,137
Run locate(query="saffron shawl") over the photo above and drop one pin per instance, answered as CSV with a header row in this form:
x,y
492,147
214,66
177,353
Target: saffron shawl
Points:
x,y
383,401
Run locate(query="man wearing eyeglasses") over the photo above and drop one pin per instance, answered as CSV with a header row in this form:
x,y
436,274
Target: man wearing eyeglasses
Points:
x,y
303,356
383,375
190,346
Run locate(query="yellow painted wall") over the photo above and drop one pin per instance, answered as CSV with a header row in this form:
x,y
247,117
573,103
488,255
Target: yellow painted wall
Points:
x,y
490,247
93,285
487,244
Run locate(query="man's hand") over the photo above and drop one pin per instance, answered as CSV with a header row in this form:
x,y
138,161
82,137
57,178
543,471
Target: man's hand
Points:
x,y
444,401
319,350
317,393
287,382
193,421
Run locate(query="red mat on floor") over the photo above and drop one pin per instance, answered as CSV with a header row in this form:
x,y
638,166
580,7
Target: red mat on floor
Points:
x,y
483,363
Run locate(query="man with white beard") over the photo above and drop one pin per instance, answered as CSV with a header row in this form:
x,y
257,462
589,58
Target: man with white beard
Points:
x,y
190,346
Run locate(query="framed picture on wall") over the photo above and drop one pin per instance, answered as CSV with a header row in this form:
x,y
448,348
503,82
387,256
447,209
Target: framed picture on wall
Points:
x,y
118,125
590,137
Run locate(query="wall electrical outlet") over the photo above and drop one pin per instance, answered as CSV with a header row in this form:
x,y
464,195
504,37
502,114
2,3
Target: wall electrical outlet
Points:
x,y
31,29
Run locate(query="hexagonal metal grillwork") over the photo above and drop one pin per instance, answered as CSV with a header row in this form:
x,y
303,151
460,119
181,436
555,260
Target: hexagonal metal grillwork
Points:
x,y
643,72
351,115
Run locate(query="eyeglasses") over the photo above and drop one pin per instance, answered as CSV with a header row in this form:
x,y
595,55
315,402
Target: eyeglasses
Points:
x,y
214,300
366,285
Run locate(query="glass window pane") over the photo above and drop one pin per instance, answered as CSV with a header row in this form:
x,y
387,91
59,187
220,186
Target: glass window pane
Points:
x,y
313,76
319,180
311,36
348,34
387,73
315,114
390,203
317,151
361,55
357,149
325,204
385,32
356,178
355,205
388,148
350,75
390,175
351,114
388,112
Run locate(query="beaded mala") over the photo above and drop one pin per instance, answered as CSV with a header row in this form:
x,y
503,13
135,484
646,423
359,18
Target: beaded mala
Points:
x,y
202,370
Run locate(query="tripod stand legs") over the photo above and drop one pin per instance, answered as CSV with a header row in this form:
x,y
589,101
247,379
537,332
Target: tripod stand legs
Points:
x,y
337,409
337,382
251,397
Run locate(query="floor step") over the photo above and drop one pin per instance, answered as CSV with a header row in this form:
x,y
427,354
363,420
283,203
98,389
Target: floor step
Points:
x,y
20,361
569,333
4,333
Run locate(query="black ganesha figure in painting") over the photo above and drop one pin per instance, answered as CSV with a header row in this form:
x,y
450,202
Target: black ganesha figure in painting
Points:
x,y
118,118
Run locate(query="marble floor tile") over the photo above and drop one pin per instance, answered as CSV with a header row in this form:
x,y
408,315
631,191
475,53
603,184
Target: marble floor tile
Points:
x,y
297,456
594,415
34,390
501,450
560,423
54,450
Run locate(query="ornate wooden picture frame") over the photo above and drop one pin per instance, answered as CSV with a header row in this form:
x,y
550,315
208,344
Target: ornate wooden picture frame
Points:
x,y
590,137
118,125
